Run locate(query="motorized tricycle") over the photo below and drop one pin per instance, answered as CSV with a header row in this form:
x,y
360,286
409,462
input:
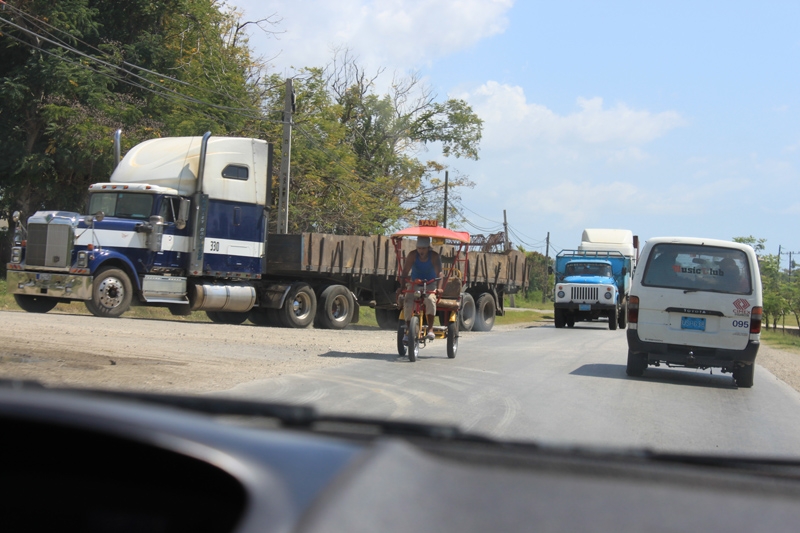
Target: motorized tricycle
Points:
x,y
448,302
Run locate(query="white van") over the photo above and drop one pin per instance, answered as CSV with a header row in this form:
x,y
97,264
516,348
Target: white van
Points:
x,y
695,303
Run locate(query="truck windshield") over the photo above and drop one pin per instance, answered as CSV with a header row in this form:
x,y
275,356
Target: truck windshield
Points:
x,y
700,268
122,204
588,269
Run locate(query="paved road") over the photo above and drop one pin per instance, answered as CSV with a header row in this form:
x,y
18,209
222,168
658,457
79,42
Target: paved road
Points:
x,y
556,386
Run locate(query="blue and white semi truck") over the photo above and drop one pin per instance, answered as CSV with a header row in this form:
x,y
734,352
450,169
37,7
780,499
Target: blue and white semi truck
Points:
x,y
182,223
594,280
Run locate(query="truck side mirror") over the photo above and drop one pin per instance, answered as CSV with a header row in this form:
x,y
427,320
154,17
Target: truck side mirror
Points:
x,y
183,213
15,216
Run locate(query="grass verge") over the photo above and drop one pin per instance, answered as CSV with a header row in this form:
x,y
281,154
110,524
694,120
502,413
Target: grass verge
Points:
x,y
780,339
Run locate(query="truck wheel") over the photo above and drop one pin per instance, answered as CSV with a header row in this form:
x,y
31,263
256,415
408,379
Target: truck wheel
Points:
x,y
401,332
413,338
35,304
111,293
743,376
637,363
214,317
623,316
300,307
558,318
452,339
231,317
264,317
387,318
570,319
466,316
612,319
485,311
335,308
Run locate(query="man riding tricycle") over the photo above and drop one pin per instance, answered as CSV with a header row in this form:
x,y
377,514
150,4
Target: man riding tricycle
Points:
x,y
428,290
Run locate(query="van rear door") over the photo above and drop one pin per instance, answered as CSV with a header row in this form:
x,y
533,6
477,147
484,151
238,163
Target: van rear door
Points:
x,y
696,295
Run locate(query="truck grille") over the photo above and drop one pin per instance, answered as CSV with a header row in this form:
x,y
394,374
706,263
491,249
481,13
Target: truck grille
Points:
x,y
584,293
49,245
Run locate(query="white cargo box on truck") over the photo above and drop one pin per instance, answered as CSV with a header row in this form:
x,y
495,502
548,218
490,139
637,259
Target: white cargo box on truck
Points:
x,y
609,240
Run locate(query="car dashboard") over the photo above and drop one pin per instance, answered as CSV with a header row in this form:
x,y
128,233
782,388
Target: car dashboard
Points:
x,y
98,461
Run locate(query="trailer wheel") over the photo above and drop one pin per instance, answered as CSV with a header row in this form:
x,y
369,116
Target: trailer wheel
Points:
x,y
387,318
35,304
111,293
300,307
466,316
485,311
335,308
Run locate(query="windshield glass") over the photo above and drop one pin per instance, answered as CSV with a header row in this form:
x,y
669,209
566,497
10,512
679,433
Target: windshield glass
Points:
x,y
549,133
589,269
122,204
701,268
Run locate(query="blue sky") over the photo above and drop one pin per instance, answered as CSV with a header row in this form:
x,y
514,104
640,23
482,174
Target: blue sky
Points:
x,y
665,118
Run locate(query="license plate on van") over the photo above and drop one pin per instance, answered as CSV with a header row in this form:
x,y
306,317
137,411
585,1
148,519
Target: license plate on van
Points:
x,y
691,322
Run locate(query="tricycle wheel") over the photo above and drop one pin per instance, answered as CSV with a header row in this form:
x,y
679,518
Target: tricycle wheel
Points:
x,y
401,331
413,338
452,339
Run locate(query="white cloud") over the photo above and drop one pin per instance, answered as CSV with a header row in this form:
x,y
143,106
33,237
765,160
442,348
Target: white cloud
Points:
x,y
394,34
511,121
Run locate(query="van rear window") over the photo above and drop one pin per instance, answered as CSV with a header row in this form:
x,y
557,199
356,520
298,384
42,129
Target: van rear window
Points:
x,y
698,268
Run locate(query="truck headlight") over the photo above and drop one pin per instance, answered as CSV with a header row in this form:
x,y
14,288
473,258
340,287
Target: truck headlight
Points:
x,y
83,259
561,294
16,254
608,295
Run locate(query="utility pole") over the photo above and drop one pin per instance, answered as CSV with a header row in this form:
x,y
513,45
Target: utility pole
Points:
x,y
546,264
286,157
446,176
507,247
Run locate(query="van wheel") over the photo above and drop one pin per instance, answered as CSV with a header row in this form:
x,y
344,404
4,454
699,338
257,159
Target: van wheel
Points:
x,y
637,363
743,376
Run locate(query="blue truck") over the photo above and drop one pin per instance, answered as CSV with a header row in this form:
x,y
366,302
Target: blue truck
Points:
x,y
593,281
182,223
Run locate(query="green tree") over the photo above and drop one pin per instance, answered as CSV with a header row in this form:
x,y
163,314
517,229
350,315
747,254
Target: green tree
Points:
x,y
74,71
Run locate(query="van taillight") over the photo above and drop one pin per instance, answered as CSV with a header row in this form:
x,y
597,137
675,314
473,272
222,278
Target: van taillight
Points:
x,y
755,320
633,310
